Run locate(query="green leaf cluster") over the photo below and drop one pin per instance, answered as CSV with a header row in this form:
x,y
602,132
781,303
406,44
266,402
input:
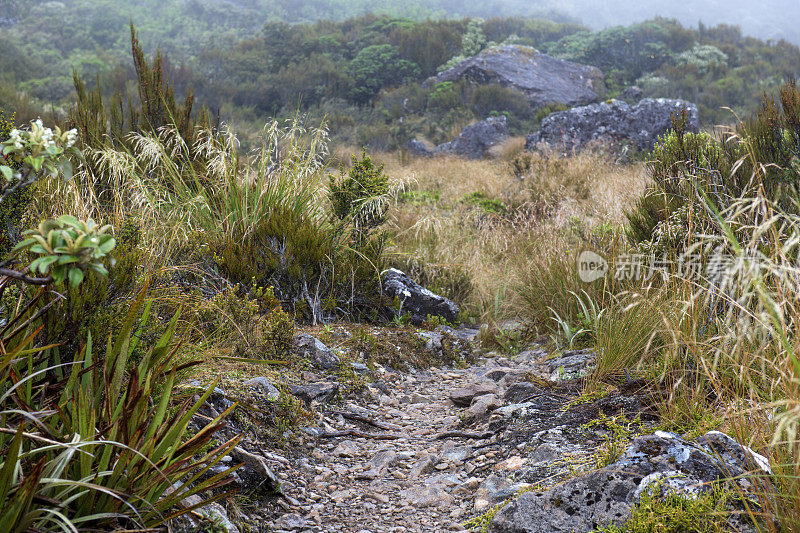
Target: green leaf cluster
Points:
x,y
361,195
67,247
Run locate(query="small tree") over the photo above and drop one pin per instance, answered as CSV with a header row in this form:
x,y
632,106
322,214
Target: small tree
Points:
x,y
360,196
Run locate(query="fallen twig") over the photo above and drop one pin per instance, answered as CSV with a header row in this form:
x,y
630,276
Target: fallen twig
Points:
x,y
464,435
369,421
357,433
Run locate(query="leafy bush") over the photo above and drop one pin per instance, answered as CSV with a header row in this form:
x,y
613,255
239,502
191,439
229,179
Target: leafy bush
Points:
x,y
361,196
278,334
377,66
15,205
695,174
684,166
704,57
673,513
29,155
67,248
444,96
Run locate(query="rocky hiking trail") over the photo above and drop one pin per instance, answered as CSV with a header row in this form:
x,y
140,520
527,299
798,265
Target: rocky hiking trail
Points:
x,y
412,430
434,449
429,451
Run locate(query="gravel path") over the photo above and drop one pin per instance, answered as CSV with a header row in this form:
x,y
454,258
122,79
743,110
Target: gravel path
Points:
x,y
417,481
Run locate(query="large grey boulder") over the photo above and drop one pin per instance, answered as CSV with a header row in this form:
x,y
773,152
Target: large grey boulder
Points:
x,y
416,300
475,140
615,121
662,462
544,80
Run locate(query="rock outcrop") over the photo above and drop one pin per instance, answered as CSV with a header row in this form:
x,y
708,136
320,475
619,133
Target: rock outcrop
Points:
x,y
544,80
415,299
661,462
631,94
614,121
418,148
315,351
475,140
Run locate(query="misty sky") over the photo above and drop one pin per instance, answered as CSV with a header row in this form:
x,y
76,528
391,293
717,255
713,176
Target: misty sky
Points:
x,y
767,19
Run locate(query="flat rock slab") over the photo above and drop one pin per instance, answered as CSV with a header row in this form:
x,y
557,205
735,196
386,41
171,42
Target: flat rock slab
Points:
x,y
544,80
463,396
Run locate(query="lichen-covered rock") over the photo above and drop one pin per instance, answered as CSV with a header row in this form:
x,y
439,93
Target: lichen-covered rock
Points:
x,y
415,299
632,94
320,392
568,365
663,460
616,121
418,148
475,140
266,387
315,351
544,80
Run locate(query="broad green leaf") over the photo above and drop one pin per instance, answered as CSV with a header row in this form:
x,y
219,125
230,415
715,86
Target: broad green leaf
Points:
x,y
107,245
75,276
70,220
8,174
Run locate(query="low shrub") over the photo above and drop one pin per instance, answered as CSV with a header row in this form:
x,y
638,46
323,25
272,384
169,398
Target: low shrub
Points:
x,y
695,175
673,513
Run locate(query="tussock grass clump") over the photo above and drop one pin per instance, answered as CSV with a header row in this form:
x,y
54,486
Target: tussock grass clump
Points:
x,y
525,214
206,211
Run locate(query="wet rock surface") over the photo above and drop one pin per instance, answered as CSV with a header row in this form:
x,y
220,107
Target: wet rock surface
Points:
x,y
416,300
475,140
424,450
544,80
616,121
661,462
315,351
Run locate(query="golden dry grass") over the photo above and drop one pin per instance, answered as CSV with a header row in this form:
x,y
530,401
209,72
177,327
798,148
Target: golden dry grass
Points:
x,y
433,223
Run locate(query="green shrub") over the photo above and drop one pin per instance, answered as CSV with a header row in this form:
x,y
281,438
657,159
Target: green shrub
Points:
x,y
33,153
444,96
360,196
549,109
685,167
695,174
278,334
674,513
67,248
15,205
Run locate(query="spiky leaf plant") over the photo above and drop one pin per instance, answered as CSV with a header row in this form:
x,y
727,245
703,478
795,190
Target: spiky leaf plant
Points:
x,y
97,443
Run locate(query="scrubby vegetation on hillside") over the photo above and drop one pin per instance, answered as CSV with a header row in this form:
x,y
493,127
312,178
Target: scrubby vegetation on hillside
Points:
x,y
143,250
364,74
